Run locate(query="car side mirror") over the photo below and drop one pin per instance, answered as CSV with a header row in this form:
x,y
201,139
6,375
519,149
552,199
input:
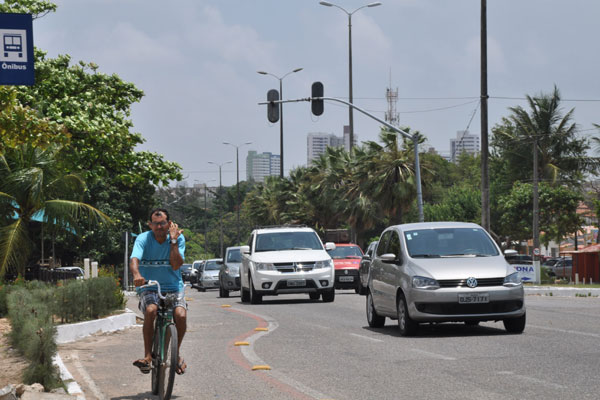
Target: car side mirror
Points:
x,y
220,262
389,258
329,246
245,249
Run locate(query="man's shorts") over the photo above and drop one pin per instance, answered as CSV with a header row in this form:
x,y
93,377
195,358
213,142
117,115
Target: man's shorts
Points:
x,y
148,297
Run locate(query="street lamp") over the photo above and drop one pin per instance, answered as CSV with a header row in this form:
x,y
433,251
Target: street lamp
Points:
x,y
350,111
220,211
280,114
237,183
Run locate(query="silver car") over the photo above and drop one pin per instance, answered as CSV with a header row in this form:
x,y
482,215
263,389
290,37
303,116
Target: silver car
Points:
x,y
229,274
442,272
209,274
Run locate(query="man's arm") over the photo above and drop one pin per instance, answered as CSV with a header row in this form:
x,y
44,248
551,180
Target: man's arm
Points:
x,y
175,258
134,266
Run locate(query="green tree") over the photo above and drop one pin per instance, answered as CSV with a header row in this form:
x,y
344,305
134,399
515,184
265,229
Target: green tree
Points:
x,y
32,183
558,212
460,203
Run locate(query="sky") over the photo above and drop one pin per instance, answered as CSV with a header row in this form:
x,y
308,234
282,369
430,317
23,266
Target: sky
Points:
x,y
197,63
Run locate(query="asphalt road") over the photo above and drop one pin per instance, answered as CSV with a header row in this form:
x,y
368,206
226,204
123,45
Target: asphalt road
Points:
x,y
322,350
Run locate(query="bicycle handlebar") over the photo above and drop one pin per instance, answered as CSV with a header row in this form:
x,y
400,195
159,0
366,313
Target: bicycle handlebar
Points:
x,y
153,283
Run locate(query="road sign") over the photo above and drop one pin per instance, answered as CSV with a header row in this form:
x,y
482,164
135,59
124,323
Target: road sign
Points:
x,y
16,53
536,252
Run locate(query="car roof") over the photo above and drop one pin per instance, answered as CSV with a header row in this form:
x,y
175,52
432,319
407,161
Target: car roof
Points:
x,y
346,245
283,229
435,225
215,259
233,248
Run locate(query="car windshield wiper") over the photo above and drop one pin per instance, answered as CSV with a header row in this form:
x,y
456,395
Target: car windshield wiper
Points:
x,y
425,255
465,255
299,248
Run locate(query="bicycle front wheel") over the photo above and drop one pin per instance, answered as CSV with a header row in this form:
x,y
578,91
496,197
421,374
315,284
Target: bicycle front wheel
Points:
x,y
168,364
155,360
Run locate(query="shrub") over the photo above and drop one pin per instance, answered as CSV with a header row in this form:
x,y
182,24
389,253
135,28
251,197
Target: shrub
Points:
x,y
33,331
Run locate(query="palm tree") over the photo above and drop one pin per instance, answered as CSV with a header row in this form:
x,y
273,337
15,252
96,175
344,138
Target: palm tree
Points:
x,y
33,186
390,179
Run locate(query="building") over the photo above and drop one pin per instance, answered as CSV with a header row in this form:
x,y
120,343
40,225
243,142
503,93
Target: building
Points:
x,y
317,143
259,166
464,143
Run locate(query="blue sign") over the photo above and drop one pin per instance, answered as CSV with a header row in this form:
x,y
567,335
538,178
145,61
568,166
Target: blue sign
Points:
x,y
16,53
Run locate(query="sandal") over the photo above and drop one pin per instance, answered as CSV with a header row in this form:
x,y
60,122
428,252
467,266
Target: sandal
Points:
x,y
181,366
143,365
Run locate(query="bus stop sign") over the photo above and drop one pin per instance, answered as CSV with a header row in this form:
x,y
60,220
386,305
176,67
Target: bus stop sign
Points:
x,y
16,53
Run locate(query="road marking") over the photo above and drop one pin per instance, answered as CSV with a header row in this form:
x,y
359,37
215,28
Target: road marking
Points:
x,y
531,379
434,355
545,328
366,337
86,377
294,388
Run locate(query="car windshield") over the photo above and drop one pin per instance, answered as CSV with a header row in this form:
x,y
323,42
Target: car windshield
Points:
x,y
275,241
212,266
449,242
345,252
186,267
234,256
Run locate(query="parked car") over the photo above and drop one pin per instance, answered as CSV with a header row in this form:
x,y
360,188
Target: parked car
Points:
x,y
346,260
229,274
196,272
186,272
72,271
209,274
442,272
365,264
562,268
287,259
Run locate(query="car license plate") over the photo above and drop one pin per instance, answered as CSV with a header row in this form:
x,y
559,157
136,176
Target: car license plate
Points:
x,y
346,279
296,282
472,298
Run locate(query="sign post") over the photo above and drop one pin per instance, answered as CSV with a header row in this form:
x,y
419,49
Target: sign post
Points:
x,y
16,53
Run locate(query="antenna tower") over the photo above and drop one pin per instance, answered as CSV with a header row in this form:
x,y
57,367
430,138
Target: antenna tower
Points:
x,y
391,115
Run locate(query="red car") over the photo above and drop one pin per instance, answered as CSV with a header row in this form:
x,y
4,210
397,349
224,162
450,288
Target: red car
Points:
x,y
346,259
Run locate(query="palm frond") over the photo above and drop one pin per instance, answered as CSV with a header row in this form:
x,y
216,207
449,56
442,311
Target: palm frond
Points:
x,y
15,246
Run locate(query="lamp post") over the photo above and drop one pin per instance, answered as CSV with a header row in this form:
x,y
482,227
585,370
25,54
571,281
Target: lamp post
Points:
x,y
280,114
237,183
220,211
206,217
350,113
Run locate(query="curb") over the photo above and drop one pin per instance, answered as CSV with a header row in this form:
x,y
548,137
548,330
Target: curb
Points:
x,y
561,291
71,332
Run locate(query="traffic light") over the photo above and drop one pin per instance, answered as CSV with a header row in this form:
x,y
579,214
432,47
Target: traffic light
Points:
x,y
316,105
272,107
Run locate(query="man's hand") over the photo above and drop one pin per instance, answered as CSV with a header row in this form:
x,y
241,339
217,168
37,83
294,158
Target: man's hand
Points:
x,y
174,230
138,280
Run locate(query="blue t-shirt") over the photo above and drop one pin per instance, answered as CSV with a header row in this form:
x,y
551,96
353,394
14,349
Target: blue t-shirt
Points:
x,y
154,261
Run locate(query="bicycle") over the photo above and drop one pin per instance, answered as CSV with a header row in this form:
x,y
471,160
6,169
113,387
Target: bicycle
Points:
x,y
165,353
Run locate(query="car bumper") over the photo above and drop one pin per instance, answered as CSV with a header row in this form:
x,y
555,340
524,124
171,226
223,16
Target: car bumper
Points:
x,y
346,278
209,283
230,282
275,282
442,304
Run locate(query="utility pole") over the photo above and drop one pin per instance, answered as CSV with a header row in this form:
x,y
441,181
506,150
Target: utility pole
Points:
x,y
485,180
536,200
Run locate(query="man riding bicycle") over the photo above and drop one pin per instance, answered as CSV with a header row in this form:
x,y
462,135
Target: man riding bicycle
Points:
x,y
157,255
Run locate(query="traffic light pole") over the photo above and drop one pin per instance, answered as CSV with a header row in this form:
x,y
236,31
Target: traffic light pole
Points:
x,y
414,138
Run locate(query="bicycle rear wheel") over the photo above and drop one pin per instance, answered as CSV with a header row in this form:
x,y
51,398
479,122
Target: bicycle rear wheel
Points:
x,y
168,364
155,359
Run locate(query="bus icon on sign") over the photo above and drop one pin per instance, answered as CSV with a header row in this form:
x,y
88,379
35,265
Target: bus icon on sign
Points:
x,y
13,43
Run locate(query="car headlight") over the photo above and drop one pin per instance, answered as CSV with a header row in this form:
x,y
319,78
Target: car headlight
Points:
x,y
265,266
422,282
324,264
513,280
233,270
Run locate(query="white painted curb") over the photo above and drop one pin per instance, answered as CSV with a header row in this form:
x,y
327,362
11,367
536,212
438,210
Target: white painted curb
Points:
x,y
71,332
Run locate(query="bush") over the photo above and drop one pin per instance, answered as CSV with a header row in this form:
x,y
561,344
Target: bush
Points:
x,y
33,331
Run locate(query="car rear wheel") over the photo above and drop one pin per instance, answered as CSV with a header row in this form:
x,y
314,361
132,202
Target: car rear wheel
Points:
x,y
373,319
255,298
223,292
329,296
515,325
244,295
406,324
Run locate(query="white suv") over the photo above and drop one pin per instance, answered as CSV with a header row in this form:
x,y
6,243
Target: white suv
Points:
x,y
286,259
